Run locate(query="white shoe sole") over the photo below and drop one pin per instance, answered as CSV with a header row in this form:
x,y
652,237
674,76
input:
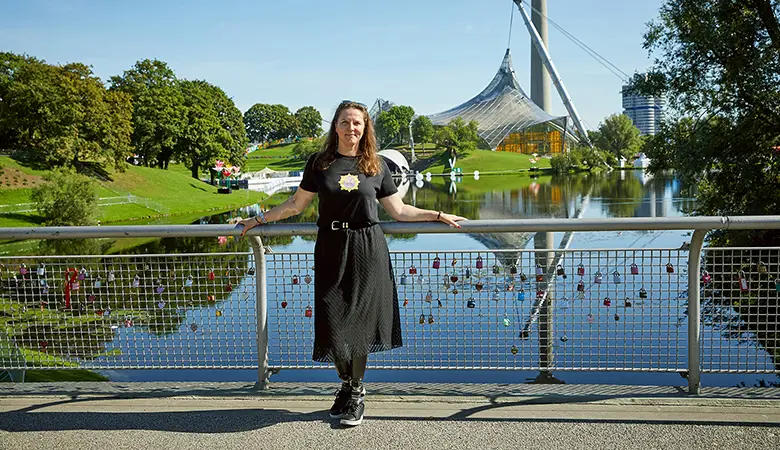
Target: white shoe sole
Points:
x,y
352,423
338,416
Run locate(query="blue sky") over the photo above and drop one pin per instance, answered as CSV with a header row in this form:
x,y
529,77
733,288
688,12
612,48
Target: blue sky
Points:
x,y
430,54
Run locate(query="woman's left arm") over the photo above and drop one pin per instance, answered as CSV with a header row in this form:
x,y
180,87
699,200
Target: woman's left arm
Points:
x,y
402,212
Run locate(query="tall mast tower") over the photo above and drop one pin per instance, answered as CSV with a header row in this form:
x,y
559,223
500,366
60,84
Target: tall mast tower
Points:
x,y
540,78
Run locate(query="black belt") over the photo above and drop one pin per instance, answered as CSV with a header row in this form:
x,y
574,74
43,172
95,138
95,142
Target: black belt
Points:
x,y
338,225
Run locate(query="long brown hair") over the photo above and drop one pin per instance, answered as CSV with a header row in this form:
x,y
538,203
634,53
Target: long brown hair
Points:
x,y
367,157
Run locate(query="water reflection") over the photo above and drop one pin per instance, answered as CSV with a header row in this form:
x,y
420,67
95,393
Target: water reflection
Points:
x,y
616,194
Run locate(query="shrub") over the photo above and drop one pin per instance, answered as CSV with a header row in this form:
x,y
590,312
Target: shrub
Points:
x,y
592,157
564,162
304,149
66,199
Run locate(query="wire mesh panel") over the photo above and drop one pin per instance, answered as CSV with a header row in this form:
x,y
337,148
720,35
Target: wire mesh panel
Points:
x,y
509,309
740,292
131,311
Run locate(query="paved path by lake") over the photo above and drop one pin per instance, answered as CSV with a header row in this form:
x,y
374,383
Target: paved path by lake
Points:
x,y
398,415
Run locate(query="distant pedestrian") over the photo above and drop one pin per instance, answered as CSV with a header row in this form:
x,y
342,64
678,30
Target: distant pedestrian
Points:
x,y
355,299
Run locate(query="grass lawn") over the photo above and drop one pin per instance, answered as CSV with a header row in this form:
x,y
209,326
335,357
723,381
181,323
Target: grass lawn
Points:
x,y
256,165
14,196
177,192
486,161
277,158
272,152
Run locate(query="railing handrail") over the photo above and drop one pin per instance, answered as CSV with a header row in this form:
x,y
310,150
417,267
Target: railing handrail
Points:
x,y
473,226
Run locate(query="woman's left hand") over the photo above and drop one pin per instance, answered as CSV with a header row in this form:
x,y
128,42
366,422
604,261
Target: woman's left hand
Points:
x,y
451,219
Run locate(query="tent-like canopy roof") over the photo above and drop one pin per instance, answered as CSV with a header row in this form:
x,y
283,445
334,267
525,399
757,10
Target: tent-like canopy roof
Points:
x,y
500,109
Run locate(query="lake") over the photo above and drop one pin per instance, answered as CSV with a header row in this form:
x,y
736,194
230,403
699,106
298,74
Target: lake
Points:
x,y
615,194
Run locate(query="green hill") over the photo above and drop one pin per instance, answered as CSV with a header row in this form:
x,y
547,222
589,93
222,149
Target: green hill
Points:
x,y
154,193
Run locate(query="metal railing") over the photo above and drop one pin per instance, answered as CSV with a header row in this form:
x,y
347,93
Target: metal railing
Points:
x,y
505,309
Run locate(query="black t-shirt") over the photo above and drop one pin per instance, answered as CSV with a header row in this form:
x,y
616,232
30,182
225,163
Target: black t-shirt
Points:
x,y
346,194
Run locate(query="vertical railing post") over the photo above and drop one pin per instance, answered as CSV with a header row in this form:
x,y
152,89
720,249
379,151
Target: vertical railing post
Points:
x,y
694,312
544,241
261,306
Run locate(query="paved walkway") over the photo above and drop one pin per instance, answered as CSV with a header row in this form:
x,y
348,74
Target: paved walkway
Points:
x,y
198,416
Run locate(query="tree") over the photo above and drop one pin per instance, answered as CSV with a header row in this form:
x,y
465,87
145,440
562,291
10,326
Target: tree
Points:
x,y
10,65
61,115
158,109
304,149
617,135
269,122
387,127
458,136
565,162
66,199
718,64
213,127
392,125
309,122
422,129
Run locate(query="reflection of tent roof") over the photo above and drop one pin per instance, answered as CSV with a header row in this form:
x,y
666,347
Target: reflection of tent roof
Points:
x,y
395,161
500,109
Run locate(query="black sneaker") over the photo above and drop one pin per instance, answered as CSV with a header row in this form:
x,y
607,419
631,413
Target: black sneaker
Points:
x,y
353,411
342,397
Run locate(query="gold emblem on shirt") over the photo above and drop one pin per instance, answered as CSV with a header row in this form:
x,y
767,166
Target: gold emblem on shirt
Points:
x,y
349,182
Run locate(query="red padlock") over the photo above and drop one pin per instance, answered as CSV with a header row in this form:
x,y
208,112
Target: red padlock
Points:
x,y
743,284
634,269
308,312
436,263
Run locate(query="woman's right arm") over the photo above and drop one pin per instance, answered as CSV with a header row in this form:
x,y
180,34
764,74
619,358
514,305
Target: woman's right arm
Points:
x,y
291,207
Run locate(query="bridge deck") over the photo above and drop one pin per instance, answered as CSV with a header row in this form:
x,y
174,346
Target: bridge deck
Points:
x,y
398,415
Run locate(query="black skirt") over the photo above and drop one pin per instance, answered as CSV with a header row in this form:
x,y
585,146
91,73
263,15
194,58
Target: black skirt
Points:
x,y
355,297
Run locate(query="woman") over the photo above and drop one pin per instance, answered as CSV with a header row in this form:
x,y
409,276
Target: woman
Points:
x,y
355,298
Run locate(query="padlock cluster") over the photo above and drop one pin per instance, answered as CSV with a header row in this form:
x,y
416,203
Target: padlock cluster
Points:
x,y
125,294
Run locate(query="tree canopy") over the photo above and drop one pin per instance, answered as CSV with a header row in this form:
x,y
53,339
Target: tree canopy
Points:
x,y
617,135
158,109
393,125
458,135
718,64
269,122
422,129
213,127
309,122
61,115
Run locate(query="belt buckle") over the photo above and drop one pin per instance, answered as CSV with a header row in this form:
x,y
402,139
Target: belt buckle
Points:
x,y
341,225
